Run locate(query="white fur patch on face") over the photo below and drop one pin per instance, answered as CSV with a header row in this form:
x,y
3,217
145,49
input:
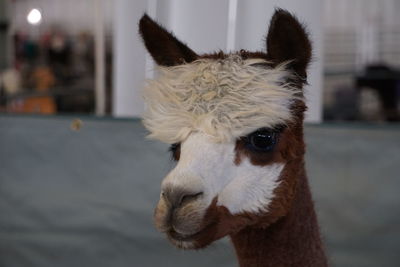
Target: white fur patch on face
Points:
x,y
223,99
203,166
208,167
252,189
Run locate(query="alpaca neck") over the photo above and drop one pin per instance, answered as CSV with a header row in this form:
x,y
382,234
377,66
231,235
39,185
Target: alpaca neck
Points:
x,y
291,241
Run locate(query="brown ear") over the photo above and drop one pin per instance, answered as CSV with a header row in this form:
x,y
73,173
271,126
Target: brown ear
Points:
x,y
287,40
163,46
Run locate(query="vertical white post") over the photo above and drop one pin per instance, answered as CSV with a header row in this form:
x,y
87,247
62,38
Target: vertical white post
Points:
x,y
99,57
129,58
203,25
232,12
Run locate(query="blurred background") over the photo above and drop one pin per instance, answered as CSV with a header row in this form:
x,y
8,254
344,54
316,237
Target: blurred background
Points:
x,y
60,57
77,178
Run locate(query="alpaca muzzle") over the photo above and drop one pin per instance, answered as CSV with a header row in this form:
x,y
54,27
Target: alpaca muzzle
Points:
x,y
179,212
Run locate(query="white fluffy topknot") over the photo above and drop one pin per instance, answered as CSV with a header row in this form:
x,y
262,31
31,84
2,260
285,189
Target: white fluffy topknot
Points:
x,y
223,98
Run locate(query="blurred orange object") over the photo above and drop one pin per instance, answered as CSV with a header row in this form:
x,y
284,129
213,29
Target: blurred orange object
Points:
x,y
37,104
43,79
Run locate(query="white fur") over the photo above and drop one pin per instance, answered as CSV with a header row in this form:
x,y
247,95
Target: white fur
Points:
x,y
208,167
222,98
252,189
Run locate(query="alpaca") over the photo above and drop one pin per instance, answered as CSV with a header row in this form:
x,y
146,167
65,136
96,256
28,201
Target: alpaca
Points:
x,y
235,125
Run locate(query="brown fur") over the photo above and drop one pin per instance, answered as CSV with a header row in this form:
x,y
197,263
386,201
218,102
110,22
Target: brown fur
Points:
x,y
287,40
287,233
165,49
293,240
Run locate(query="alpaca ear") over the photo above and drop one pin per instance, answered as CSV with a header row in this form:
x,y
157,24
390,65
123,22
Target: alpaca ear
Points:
x,y
287,40
163,46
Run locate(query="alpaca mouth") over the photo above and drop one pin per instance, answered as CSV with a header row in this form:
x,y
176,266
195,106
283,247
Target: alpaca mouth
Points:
x,y
182,237
189,237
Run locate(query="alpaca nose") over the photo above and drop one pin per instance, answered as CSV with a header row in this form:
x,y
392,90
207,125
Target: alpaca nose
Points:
x,y
177,197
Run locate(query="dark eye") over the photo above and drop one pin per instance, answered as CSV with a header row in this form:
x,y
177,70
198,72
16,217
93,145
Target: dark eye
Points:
x,y
262,140
175,150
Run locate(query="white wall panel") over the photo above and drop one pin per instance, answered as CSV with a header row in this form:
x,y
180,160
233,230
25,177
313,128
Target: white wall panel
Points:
x,y
129,58
203,25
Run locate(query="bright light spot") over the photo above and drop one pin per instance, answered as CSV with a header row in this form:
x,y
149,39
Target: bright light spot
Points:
x,y
34,17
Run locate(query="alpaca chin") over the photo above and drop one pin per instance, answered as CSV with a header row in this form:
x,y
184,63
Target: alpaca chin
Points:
x,y
198,240
182,244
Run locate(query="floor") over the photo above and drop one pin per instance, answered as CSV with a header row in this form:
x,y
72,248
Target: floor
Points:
x,y
85,197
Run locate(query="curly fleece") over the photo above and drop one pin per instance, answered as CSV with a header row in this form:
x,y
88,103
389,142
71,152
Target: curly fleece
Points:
x,y
225,99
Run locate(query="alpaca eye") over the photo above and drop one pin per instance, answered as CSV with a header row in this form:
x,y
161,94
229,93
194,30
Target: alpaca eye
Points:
x,y
175,150
262,140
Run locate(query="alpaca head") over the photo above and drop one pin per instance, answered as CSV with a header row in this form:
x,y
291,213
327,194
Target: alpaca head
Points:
x,y
234,123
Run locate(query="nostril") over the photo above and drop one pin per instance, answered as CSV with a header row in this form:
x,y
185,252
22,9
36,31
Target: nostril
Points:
x,y
189,198
178,197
